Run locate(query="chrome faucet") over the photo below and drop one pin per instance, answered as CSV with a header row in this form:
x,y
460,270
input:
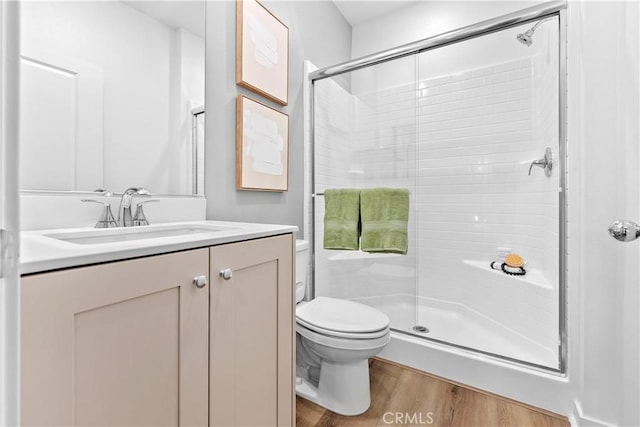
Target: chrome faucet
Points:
x,y
125,218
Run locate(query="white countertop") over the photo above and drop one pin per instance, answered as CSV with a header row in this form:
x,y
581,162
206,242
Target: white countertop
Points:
x,y
39,253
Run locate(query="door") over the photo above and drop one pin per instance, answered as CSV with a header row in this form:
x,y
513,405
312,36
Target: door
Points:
x,y
9,349
606,133
123,343
251,333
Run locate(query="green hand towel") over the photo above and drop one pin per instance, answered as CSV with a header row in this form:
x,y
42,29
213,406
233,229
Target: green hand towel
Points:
x,y
341,219
385,216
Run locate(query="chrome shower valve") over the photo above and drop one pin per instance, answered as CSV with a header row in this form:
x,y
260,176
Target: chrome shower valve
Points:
x,y
545,163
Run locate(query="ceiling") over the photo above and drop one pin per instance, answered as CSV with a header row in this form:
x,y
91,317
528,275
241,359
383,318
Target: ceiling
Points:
x,y
189,14
184,14
359,11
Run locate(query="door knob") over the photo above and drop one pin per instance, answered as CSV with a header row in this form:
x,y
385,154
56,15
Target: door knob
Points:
x,y
226,273
200,281
624,230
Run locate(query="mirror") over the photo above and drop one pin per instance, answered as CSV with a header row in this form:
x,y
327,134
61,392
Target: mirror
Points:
x,y
112,96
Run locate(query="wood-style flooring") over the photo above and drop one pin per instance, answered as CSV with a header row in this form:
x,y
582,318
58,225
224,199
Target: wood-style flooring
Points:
x,y
402,396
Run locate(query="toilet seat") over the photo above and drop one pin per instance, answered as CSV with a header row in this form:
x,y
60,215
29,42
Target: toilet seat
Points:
x,y
347,335
345,343
341,318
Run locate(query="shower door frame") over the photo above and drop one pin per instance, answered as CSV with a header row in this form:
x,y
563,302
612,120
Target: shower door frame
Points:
x,y
535,13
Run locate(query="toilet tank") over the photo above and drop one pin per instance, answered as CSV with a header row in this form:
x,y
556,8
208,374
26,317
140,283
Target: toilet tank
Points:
x,y
302,268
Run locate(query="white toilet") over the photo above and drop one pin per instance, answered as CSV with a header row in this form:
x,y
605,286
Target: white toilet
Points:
x,y
334,340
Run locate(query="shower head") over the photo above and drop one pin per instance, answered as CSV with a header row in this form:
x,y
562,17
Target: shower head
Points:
x,y
527,37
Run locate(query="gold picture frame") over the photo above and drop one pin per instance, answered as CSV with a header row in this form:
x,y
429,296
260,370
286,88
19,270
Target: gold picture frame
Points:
x,y
262,51
262,147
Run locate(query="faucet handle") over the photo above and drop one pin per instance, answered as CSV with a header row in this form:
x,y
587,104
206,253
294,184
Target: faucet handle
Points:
x,y
106,219
103,192
141,191
139,218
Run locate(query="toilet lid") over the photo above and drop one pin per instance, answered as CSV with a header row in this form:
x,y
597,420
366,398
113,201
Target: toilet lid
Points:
x,y
340,315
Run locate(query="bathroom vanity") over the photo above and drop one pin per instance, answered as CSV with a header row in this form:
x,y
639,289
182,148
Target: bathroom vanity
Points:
x,y
167,329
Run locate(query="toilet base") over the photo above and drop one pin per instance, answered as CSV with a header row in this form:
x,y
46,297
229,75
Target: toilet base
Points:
x,y
343,388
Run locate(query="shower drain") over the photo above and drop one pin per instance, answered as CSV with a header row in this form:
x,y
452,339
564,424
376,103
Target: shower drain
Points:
x,y
422,329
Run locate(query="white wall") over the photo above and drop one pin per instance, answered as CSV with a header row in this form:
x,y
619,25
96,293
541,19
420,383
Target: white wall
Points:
x,y
9,223
603,46
317,32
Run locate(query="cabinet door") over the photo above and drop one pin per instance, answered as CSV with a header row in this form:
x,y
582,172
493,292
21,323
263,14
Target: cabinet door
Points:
x,y
124,343
251,334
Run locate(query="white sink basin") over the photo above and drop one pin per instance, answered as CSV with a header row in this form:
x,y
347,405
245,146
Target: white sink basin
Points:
x,y
112,235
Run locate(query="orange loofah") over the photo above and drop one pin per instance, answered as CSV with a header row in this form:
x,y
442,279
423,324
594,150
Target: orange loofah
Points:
x,y
514,260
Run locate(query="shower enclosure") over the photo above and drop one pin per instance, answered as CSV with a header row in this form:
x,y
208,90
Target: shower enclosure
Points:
x,y
471,122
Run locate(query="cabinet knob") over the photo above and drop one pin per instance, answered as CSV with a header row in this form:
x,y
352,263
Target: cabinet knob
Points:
x,y
200,281
226,273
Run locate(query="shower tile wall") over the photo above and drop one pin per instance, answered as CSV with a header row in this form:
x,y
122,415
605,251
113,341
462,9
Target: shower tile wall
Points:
x,y
346,150
546,120
333,126
462,143
479,131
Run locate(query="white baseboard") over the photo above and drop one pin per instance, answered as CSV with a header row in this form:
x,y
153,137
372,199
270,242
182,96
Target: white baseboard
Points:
x,y
578,419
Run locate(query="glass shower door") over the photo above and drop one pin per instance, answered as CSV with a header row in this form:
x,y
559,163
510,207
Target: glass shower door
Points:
x,y
365,137
488,110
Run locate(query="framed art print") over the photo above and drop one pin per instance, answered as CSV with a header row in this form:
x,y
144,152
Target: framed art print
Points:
x,y
262,51
262,147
